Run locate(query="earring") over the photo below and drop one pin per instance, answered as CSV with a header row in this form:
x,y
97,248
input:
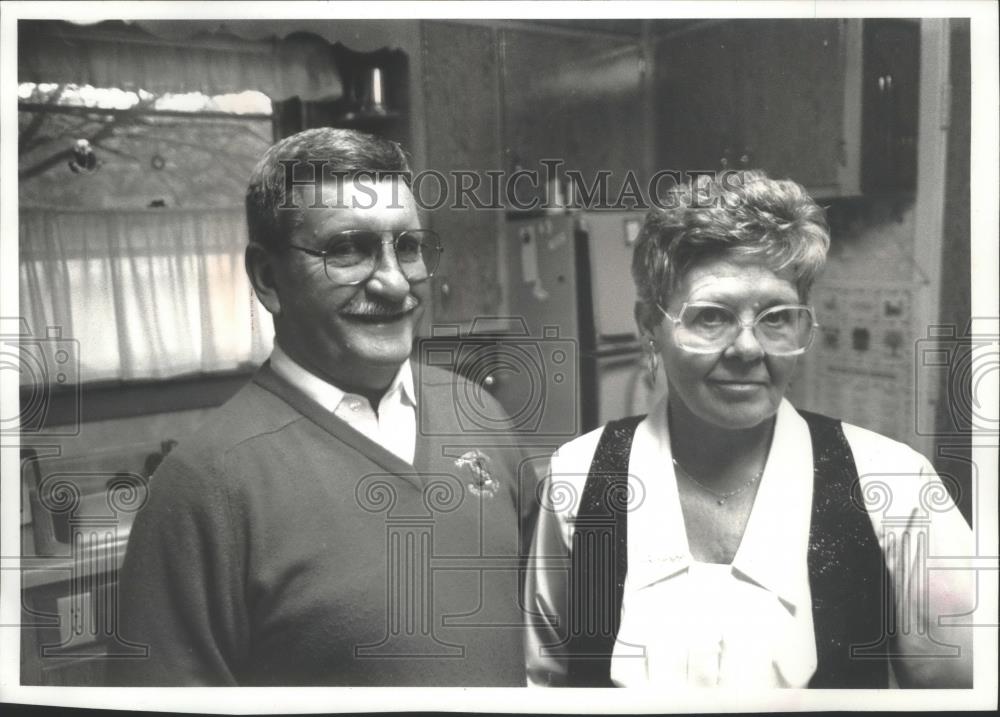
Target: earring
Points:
x,y
653,360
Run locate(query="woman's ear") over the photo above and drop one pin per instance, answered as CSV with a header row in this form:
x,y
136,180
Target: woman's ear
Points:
x,y
645,320
260,268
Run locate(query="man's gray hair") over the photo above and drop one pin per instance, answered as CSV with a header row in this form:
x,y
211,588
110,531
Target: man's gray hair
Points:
x,y
343,153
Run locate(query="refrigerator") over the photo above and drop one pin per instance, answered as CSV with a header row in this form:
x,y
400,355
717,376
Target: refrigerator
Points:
x,y
570,289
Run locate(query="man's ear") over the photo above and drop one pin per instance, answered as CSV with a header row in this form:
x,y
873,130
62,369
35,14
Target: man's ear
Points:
x,y
260,268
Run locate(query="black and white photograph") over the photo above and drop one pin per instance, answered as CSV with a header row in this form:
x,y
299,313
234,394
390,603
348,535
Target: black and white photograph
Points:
x,y
471,351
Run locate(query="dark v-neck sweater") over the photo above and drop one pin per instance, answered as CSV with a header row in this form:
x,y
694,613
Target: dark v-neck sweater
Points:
x,y
280,546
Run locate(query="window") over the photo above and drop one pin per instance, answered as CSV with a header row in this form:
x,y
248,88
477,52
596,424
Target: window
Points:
x,y
132,228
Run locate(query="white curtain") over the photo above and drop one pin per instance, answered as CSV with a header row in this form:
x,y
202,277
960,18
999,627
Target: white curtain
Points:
x,y
147,293
113,54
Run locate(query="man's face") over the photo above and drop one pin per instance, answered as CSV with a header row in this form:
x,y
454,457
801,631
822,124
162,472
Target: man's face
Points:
x,y
357,336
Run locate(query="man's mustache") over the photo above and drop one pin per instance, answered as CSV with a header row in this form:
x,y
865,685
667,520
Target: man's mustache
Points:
x,y
374,309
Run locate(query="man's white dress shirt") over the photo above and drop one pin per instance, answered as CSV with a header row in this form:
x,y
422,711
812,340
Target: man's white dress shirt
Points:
x,y
394,427
748,624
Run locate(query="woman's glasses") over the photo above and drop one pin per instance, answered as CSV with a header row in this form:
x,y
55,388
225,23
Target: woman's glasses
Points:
x,y
350,257
705,327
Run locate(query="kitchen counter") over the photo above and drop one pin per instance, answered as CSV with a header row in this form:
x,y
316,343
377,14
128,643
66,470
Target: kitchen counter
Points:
x,y
89,560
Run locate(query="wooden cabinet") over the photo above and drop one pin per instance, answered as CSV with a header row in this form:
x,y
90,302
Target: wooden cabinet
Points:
x,y
792,99
68,617
778,95
574,98
501,98
891,92
695,99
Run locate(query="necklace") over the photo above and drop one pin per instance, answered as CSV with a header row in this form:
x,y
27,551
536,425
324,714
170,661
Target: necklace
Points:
x,y
720,498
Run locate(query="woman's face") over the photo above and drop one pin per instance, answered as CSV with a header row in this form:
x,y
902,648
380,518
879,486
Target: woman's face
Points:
x,y
739,386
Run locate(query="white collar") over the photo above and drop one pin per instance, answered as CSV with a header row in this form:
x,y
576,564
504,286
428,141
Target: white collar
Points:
x,y
774,548
326,394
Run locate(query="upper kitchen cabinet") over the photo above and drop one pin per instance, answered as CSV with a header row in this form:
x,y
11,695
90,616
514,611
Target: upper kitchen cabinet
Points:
x,y
891,101
501,96
779,95
695,99
793,94
573,97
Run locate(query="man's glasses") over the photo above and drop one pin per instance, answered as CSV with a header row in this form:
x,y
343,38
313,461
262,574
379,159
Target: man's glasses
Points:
x,y
350,257
705,327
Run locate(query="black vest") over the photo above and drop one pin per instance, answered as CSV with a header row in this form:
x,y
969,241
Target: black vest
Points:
x,y
850,587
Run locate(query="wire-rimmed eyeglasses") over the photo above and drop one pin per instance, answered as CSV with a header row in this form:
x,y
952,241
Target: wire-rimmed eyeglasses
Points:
x,y
350,257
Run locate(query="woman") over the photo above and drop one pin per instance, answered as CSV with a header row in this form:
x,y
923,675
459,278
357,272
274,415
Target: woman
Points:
x,y
726,538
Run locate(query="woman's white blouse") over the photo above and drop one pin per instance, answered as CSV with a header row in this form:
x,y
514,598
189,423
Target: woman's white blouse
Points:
x,y
686,623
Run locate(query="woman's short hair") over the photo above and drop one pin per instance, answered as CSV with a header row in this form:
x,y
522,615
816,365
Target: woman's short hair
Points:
x,y
740,214
338,153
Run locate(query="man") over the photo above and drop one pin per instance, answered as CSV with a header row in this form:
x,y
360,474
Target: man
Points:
x,y
296,539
